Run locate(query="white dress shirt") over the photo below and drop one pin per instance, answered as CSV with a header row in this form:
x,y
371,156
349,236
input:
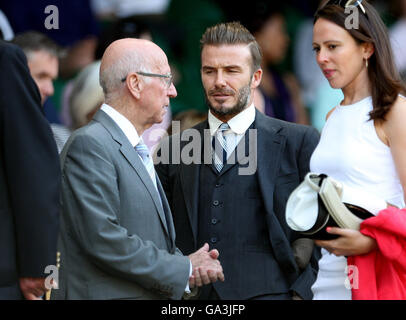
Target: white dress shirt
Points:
x,y
125,125
239,124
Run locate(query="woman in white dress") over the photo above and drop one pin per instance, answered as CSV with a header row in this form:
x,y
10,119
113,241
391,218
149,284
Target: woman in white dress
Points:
x,y
363,143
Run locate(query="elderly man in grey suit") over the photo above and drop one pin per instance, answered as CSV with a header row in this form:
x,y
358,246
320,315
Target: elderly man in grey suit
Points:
x,y
117,237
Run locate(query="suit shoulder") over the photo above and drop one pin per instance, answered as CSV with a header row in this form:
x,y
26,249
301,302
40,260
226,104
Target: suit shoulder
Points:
x,y
10,52
187,132
93,130
290,127
301,128
92,134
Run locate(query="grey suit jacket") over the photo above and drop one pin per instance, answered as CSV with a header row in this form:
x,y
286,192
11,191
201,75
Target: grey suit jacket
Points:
x,y
116,240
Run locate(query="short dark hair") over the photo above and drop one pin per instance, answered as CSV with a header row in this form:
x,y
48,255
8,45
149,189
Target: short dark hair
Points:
x,y
32,41
233,33
386,83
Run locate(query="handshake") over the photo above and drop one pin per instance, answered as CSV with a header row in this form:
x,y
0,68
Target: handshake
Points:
x,y
206,267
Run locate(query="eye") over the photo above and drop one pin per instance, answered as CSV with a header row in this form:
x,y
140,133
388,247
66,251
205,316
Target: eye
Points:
x,y
316,49
332,46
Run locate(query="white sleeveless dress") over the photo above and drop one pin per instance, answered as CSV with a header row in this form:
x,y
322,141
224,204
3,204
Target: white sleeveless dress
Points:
x,y
350,151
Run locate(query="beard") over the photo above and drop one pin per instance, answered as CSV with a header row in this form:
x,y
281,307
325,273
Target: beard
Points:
x,y
244,95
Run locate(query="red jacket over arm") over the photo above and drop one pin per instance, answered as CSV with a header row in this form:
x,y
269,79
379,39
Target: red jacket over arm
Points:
x,y
382,273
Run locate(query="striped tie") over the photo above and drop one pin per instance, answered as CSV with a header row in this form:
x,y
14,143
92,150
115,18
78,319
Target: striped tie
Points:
x,y
143,152
220,147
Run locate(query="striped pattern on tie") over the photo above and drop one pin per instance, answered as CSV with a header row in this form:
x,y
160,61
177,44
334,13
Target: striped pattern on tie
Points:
x,y
220,147
143,152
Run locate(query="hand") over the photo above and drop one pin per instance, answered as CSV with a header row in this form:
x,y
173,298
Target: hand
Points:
x,y
33,288
206,267
350,243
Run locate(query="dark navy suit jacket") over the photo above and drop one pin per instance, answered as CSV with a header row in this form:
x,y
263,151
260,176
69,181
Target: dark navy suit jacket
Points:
x,y
283,155
29,177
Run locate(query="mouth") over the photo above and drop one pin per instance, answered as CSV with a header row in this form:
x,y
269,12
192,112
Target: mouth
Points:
x,y
221,96
328,73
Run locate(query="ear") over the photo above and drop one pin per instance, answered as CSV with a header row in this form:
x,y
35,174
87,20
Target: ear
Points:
x,y
369,49
134,85
256,78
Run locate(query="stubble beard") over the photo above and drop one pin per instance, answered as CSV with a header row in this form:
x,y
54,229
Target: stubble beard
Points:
x,y
244,95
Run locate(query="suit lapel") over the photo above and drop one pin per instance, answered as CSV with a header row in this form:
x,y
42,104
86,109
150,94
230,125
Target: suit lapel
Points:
x,y
132,157
134,160
271,143
269,150
190,177
168,215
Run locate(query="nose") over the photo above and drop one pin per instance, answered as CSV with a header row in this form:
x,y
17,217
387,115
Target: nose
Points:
x,y
48,89
220,80
322,57
172,93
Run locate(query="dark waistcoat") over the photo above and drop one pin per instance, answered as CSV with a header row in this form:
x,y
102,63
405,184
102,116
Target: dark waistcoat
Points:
x,y
232,220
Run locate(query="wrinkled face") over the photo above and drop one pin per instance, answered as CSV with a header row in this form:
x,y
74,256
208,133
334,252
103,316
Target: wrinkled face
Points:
x,y
227,78
44,70
156,93
340,57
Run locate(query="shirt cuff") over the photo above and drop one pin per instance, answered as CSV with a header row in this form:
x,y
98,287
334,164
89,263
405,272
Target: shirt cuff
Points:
x,y
187,290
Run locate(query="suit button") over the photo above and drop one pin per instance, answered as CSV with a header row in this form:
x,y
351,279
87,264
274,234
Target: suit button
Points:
x,y
213,240
216,202
214,221
218,185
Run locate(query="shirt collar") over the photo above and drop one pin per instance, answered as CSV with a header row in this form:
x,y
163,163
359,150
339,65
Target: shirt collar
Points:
x,y
238,124
123,123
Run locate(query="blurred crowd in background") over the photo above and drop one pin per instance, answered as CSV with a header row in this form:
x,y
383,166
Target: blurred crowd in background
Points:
x,y
293,88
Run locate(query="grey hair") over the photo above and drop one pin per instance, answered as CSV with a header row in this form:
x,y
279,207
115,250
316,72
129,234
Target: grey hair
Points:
x,y
33,41
111,77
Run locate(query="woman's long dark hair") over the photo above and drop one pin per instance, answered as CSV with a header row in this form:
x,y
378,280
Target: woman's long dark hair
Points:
x,y
385,80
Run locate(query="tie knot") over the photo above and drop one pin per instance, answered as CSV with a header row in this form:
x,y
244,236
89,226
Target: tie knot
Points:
x,y
224,127
142,150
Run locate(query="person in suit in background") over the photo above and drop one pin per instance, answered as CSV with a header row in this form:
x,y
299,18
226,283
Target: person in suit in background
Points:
x,y
29,182
241,215
117,238
42,55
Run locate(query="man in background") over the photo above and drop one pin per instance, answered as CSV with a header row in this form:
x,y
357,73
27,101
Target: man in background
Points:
x,y
42,55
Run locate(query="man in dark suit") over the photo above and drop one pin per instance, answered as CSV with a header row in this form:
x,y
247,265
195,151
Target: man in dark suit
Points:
x,y
29,182
239,209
